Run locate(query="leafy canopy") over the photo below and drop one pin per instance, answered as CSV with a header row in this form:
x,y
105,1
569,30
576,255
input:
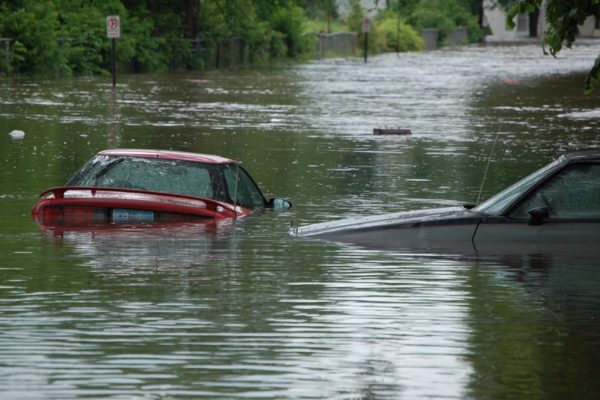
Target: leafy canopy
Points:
x,y
563,18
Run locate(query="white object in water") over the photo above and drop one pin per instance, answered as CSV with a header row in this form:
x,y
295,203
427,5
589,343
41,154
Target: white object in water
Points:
x,y
17,134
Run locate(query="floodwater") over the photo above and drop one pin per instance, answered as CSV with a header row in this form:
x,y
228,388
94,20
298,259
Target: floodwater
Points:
x,y
243,310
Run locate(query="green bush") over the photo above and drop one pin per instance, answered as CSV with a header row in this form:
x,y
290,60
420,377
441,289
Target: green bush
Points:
x,y
35,48
82,41
445,15
66,37
399,36
356,16
384,31
289,22
432,16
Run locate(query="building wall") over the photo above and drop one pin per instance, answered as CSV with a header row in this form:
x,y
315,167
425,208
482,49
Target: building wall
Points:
x,y
495,17
589,28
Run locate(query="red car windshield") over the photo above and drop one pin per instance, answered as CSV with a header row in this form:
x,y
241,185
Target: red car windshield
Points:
x,y
213,181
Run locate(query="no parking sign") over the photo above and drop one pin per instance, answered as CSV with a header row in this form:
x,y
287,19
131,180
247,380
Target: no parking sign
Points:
x,y
113,27
113,31
366,25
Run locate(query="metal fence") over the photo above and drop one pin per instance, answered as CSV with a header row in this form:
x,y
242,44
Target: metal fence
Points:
x,y
229,52
338,44
232,52
432,37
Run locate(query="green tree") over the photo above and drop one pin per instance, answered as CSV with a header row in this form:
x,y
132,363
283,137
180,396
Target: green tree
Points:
x,y
398,35
357,14
563,19
33,25
445,15
322,9
406,7
330,8
67,37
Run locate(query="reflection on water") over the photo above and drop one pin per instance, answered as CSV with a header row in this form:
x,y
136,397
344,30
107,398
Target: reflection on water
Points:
x,y
544,335
123,249
243,310
328,323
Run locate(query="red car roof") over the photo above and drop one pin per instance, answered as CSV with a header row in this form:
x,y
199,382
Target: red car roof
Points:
x,y
170,155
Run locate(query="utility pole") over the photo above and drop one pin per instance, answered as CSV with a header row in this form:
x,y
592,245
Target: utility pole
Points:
x,y
366,28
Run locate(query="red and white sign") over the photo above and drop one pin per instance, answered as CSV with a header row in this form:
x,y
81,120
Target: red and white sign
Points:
x,y
113,27
366,25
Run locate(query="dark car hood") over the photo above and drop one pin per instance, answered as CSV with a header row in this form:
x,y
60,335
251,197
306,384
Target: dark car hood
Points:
x,y
441,216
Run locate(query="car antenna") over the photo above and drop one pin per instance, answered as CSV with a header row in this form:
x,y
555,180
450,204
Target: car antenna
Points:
x,y
488,164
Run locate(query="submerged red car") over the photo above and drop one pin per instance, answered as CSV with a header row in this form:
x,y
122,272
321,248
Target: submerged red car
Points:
x,y
135,185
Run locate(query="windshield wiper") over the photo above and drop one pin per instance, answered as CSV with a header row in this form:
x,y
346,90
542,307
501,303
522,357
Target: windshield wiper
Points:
x,y
106,168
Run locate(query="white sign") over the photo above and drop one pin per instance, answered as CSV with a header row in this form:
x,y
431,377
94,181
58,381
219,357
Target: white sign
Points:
x,y
113,27
366,25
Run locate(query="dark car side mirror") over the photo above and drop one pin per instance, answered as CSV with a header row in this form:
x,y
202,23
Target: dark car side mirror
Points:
x,y
279,204
538,214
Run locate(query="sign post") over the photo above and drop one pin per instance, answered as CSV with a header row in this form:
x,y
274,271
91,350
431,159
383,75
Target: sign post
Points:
x,y
366,28
113,32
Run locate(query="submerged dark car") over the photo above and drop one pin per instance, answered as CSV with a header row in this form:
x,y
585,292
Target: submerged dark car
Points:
x,y
555,209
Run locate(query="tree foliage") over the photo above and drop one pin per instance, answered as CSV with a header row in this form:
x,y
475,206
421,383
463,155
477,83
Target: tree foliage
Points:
x,y
66,37
398,35
563,18
445,15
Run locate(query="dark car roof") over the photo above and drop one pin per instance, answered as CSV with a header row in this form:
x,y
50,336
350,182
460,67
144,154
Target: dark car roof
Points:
x,y
584,155
169,155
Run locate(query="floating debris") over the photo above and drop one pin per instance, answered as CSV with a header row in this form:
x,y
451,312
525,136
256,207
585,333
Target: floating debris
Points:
x,y
391,131
17,134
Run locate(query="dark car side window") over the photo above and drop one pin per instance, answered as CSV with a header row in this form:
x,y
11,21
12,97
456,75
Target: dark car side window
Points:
x,y
246,192
573,192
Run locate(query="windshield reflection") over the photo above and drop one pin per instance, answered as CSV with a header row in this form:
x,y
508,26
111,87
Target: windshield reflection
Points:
x,y
500,202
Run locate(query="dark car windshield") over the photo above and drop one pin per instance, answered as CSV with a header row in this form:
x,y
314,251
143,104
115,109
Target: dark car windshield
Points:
x,y
213,181
498,203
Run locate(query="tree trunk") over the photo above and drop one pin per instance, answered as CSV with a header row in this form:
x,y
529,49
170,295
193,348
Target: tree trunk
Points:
x,y
191,18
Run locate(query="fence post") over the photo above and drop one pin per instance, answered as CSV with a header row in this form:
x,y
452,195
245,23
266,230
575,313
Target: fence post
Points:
x,y
218,55
321,45
6,42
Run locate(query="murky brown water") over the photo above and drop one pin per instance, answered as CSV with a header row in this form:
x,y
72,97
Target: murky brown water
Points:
x,y
246,311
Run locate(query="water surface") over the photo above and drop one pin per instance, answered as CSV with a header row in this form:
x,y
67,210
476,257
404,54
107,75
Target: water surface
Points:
x,y
243,310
